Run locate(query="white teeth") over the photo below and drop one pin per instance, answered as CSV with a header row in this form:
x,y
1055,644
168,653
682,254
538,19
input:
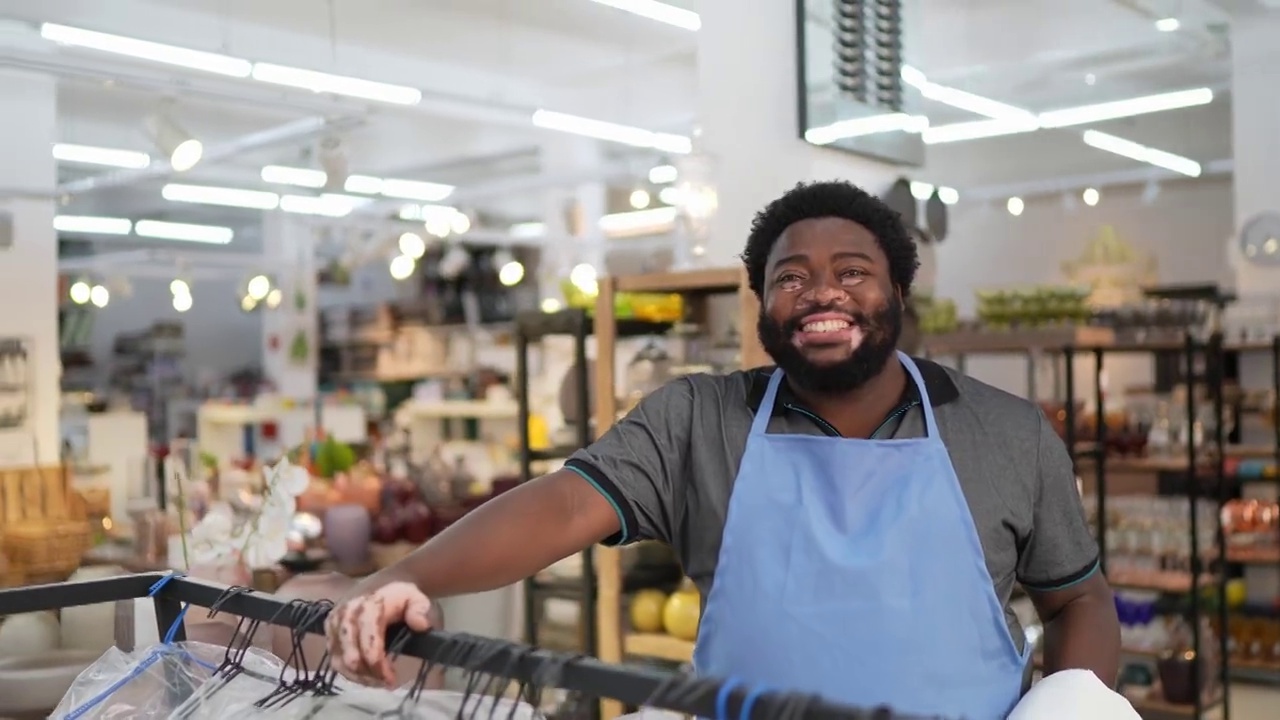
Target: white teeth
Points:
x,y
826,326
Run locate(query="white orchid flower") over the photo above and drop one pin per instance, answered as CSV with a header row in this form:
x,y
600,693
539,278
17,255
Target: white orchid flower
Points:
x,y
287,478
266,547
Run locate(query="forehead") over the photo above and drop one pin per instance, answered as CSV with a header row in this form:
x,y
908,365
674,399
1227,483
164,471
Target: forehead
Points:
x,y
819,239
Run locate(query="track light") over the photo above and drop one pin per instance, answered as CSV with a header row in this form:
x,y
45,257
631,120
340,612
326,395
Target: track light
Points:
x,y
178,145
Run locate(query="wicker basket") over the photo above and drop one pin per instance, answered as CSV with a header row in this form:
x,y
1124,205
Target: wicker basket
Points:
x,y
47,548
46,532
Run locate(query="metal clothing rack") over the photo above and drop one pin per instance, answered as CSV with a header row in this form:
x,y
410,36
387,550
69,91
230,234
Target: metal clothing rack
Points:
x,y
701,697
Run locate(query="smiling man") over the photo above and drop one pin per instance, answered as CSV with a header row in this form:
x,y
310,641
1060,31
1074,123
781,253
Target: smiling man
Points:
x,y
855,519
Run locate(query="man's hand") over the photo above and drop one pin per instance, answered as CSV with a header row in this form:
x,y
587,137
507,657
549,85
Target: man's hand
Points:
x,y
357,630
499,543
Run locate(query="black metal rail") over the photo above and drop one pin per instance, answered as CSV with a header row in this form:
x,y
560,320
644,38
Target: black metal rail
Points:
x,y
702,697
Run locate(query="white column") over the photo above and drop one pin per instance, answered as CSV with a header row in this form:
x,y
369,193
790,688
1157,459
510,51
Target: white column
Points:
x,y
1255,110
287,247
29,259
747,114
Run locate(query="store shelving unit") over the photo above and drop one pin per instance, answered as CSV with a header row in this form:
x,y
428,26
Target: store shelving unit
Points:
x,y
530,329
696,286
1262,571
1198,473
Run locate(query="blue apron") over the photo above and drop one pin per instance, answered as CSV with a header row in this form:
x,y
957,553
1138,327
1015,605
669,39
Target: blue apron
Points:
x,y
852,569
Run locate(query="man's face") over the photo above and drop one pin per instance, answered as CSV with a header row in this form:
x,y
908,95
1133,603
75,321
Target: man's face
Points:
x,y
830,316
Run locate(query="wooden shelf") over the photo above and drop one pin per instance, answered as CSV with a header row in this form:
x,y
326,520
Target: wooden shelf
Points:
x,y
656,645
701,282
1155,708
479,409
696,285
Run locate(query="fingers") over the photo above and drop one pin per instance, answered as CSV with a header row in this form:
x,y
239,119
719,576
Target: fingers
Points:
x,y
357,631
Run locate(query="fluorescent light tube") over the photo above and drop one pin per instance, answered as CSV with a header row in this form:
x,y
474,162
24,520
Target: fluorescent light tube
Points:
x,y
1142,153
612,132
146,50
1126,108
363,185
658,11
109,157
160,230
90,225
327,205
414,190
975,130
301,177
226,197
663,174
639,222
527,230
962,100
335,84
872,125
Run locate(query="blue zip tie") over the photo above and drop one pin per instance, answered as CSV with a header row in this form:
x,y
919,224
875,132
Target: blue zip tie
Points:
x,y
722,698
155,589
748,703
159,584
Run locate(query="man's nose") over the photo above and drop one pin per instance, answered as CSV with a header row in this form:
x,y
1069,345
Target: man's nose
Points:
x,y
823,293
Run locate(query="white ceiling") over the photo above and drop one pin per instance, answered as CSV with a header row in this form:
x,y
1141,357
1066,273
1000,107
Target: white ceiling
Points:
x,y
485,65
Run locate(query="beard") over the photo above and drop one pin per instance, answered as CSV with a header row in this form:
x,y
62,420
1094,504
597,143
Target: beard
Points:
x,y
880,333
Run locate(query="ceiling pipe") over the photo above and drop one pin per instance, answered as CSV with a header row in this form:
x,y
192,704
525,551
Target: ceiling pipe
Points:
x,y
290,132
1073,183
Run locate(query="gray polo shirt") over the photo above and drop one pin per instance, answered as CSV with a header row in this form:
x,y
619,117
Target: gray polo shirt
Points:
x,y
669,466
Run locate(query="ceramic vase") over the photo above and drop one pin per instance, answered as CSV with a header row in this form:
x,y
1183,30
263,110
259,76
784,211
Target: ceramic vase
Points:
x,y
347,532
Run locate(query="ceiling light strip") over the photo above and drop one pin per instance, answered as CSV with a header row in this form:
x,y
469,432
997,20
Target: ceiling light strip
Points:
x,y
107,157
612,132
419,190
146,50
92,225
184,232
152,229
269,73
657,11
1142,153
1131,107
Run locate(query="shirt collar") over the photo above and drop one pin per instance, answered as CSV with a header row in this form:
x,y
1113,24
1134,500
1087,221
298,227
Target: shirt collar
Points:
x,y
942,389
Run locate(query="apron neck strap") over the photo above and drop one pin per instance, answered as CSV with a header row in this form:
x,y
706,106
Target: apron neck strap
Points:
x,y
761,422
926,405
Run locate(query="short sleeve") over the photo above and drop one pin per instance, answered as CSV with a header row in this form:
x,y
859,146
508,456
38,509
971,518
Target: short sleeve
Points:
x,y
1060,549
641,463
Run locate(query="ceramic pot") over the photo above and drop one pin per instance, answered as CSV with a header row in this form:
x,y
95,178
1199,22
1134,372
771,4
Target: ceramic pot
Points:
x,y
29,634
347,534
36,683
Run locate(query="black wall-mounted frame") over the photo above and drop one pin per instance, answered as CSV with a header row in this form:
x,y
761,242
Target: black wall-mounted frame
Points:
x,y
823,98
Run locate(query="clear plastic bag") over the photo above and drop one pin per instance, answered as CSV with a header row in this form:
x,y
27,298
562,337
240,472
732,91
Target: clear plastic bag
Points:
x,y
221,697
144,684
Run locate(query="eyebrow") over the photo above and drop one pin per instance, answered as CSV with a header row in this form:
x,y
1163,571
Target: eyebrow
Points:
x,y
847,255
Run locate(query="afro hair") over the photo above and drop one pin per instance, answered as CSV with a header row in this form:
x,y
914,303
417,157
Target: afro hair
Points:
x,y
838,199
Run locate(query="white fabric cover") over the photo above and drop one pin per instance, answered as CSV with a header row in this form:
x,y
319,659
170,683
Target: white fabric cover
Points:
x,y
1073,695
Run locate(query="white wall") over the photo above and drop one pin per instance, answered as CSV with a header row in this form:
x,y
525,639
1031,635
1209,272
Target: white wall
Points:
x,y
219,337
1185,227
28,268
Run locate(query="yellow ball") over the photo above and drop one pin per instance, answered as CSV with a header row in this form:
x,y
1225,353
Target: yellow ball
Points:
x,y
681,614
646,611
